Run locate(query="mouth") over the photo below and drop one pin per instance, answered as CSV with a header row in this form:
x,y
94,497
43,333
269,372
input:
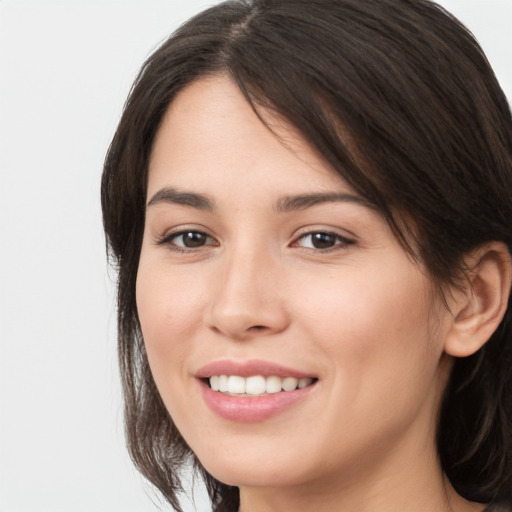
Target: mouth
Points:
x,y
256,385
252,391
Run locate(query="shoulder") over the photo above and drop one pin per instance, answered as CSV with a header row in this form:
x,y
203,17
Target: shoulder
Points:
x,y
499,506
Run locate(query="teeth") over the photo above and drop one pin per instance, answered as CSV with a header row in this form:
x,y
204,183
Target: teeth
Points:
x,y
256,385
223,383
304,382
273,385
236,384
214,382
289,384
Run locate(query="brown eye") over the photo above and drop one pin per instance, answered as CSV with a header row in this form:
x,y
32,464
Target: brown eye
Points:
x,y
322,240
190,239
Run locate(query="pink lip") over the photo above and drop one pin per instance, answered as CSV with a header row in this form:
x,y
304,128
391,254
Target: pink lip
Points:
x,y
250,409
248,369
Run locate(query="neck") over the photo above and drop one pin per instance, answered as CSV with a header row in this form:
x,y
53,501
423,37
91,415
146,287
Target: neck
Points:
x,y
408,478
401,471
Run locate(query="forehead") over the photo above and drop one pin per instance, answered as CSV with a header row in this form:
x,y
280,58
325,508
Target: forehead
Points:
x,y
210,133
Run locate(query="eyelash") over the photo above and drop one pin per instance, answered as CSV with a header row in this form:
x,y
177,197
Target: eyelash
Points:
x,y
341,241
169,238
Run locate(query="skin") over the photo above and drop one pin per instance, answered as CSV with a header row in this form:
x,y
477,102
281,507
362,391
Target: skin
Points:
x,y
360,315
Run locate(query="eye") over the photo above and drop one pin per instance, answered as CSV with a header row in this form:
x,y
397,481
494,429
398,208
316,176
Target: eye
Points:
x,y
322,240
187,239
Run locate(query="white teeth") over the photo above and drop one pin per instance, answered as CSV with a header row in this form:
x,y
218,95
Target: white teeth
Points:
x,y
214,382
273,385
304,382
223,383
290,383
256,385
236,385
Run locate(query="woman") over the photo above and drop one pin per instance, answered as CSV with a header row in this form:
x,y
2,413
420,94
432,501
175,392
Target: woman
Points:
x,y
308,202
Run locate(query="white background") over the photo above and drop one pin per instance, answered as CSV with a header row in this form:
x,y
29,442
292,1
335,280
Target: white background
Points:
x,y
65,70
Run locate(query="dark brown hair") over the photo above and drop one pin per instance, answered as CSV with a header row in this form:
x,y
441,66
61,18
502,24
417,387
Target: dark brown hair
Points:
x,y
430,136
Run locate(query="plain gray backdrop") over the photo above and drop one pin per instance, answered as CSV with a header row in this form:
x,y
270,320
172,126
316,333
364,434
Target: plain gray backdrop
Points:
x,y
65,70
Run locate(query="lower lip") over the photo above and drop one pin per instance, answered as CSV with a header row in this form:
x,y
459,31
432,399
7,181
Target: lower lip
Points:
x,y
251,409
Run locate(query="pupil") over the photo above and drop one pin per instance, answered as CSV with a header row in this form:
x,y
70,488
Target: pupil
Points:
x,y
193,239
323,240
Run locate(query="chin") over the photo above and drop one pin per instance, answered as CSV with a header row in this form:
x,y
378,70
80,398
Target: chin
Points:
x,y
249,474
262,461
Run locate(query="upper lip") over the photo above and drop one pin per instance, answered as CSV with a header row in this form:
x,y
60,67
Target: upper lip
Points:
x,y
249,368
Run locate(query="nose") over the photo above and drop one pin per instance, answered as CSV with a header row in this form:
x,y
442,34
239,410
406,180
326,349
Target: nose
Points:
x,y
248,301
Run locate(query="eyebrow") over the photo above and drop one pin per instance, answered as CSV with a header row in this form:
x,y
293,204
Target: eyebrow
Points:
x,y
282,205
304,201
174,196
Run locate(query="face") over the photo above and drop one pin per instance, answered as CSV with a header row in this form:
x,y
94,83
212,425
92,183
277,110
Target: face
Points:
x,y
264,275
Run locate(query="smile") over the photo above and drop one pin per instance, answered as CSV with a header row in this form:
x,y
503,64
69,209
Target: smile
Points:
x,y
252,391
256,385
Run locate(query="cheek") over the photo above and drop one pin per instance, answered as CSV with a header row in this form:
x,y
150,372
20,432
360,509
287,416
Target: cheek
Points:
x,y
369,302
378,336
373,326
169,310
168,303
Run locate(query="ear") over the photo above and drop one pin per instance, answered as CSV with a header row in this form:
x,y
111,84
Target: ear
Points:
x,y
479,306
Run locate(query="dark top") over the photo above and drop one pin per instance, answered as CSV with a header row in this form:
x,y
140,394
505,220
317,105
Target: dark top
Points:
x,y
498,506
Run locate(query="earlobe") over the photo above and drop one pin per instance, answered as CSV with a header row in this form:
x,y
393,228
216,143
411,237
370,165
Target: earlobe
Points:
x,y
480,305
